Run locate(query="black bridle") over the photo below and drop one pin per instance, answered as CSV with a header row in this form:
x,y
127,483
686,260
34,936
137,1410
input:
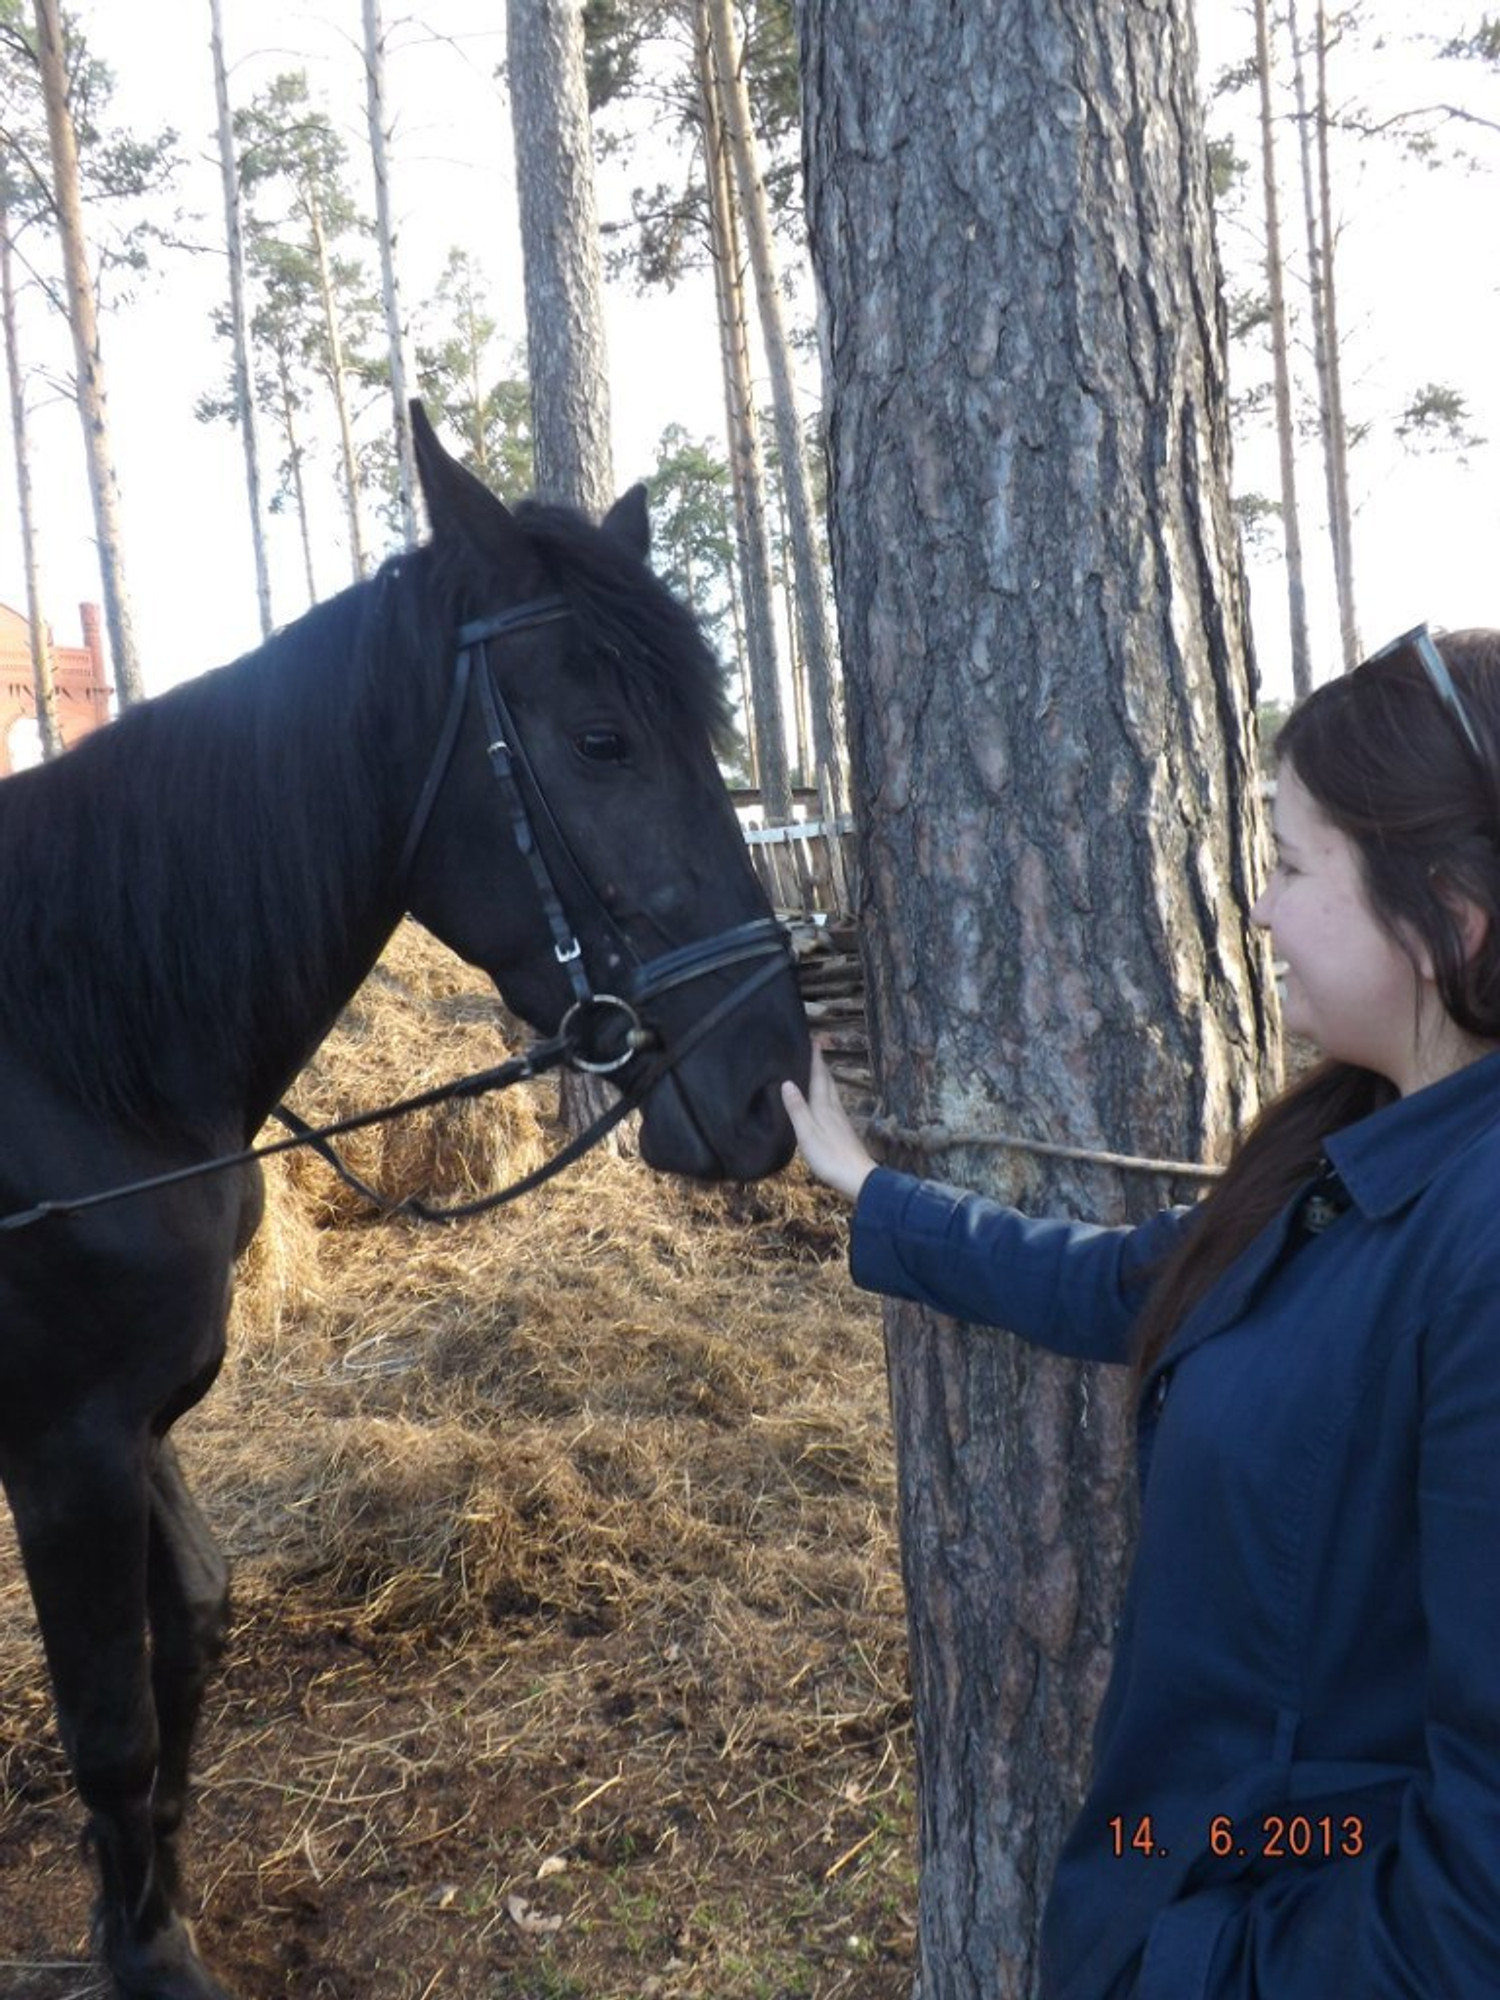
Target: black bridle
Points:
x,y
593,1018
586,1023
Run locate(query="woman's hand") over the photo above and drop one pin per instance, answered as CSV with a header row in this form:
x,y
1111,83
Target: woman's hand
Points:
x,y
832,1148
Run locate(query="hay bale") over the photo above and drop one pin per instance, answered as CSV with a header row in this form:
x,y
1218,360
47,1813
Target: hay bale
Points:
x,y
276,1280
421,1019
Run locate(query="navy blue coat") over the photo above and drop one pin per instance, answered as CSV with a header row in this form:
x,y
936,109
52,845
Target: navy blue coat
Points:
x,y
1299,1748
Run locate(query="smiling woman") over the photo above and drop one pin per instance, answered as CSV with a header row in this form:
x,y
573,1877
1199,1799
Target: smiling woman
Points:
x,y
1350,983
1296,1784
1387,824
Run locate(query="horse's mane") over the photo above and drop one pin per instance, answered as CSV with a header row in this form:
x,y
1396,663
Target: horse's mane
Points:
x,y
175,888
158,878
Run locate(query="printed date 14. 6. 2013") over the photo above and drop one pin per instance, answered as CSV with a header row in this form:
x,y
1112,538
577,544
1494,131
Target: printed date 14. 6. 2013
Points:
x,y
1271,1837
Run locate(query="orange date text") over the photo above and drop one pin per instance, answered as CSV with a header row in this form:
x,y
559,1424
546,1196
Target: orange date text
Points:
x,y
1288,1837
1272,1837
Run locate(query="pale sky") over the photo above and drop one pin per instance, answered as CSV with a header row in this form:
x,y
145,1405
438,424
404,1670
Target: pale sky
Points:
x,y
1418,257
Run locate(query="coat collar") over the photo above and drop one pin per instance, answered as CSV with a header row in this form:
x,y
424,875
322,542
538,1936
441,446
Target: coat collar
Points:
x,y
1387,1159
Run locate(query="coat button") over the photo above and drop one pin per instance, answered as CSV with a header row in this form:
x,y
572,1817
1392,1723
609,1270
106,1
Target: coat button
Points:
x,y
1160,1392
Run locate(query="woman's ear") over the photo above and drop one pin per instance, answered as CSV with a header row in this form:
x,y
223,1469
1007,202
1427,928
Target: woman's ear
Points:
x,y
1471,919
1474,926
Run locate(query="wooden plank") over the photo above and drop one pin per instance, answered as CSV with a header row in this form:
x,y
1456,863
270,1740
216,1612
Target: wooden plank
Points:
x,y
806,867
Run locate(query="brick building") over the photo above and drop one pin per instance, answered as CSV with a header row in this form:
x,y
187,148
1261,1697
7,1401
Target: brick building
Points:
x,y
81,678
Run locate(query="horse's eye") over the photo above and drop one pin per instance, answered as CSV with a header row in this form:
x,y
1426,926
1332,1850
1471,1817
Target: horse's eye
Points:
x,y
602,746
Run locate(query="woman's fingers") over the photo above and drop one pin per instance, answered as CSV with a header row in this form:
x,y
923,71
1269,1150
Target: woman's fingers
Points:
x,y
828,1141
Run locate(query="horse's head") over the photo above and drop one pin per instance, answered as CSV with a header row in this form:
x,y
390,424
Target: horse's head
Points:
x,y
602,819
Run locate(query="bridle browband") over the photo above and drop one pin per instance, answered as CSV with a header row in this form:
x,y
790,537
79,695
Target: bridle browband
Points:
x,y
577,1042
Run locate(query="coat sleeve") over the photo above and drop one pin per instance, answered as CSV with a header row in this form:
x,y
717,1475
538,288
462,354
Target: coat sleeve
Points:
x,y
1070,1286
1422,1920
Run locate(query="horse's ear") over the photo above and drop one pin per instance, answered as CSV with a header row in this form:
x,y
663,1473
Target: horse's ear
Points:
x,y
629,521
457,502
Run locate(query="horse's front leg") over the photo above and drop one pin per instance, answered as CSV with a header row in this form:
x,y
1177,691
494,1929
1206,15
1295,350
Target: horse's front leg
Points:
x,y
82,1507
188,1599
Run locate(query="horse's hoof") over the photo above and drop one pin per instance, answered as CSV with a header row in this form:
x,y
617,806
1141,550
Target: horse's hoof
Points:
x,y
165,1967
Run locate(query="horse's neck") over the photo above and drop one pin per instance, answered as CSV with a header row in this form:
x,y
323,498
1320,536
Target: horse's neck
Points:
x,y
289,1044
323,873
219,871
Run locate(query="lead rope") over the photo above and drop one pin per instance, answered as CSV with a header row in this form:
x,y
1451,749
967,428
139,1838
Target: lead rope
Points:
x,y
535,1061
939,1138
423,1211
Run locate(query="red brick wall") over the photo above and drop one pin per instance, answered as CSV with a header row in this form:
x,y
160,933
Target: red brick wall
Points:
x,y
81,677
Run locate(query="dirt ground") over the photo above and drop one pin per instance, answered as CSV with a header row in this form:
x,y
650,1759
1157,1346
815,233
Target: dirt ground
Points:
x,y
568,1660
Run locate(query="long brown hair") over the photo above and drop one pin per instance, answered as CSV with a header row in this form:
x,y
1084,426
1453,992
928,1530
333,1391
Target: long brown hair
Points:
x,y
1390,764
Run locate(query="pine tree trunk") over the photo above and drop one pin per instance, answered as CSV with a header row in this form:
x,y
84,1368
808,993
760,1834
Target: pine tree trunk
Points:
x,y
478,440
564,311
337,380
740,652
802,725
1315,291
1338,432
1291,516
560,242
1045,650
385,228
244,401
294,461
93,403
746,465
812,609
45,686
1313,122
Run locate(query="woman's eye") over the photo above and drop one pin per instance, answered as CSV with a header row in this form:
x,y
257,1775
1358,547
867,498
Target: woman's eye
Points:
x,y
602,746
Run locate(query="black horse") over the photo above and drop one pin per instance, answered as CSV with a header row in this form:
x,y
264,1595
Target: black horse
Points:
x,y
187,900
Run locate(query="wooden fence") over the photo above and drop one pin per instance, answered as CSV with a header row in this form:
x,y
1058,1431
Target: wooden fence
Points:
x,y
808,867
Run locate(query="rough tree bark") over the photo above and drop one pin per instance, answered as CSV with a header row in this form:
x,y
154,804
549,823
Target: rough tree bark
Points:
x,y
93,403
565,348
560,243
234,239
1050,713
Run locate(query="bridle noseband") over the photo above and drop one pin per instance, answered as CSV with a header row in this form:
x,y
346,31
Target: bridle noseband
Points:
x,y
593,1014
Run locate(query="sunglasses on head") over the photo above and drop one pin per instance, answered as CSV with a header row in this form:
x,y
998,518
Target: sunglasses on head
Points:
x,y
1421,642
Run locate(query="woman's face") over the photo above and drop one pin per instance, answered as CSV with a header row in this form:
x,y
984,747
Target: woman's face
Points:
x,y
1347,985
